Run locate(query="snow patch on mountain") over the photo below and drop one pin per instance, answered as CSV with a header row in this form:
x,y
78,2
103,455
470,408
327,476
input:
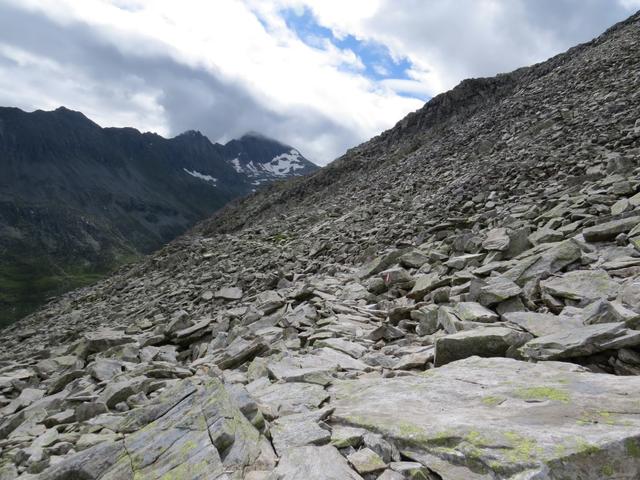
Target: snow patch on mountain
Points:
x,y
285,163
280,166
202,176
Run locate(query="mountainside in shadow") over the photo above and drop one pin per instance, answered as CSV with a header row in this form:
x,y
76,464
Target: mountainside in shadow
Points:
x,y
458,298
77,199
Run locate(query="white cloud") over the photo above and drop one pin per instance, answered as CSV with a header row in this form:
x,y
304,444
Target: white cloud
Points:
x,y
229,66
448,41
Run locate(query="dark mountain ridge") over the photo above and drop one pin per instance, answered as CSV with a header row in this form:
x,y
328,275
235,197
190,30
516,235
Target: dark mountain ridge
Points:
x,y
75,197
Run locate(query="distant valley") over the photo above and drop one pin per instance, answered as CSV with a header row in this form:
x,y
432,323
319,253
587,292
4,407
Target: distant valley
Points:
x,y
78,200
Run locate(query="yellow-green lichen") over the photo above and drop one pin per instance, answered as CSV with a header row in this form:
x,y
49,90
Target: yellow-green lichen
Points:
x,y
586,447
522,449
492,401
605,417
543,393
476,438
608,470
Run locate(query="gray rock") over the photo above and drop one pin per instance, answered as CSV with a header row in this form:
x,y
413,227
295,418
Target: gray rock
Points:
x,y
8,471
427,283
343,437
103,369
427,318
287,433
313,463
541,324
119,391
609,230
484,342
580,342
502,418
229,293
352,349
413,259
541,264
203,435
414,358
464,261
497,240
474,312
269,301
380,263
602,311
239,352
66,416
630,294
494,290
302,369
412,471
88,410
583,286
397,276
545,235
366,461
387,451
281,399
26,398
92,464
88,440
103,339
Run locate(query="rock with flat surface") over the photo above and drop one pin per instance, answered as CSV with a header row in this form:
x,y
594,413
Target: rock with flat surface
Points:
x,y
502,418
582,286
544,261
313,463
103,339
602,311
493,290
366,461
474,312
580,342
484,342
352,349
297,431
427,283
541,324
497,239
203,435
229,293
281,399
609,230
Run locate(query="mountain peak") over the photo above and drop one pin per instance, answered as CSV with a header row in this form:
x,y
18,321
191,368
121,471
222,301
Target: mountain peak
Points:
x,y
191,133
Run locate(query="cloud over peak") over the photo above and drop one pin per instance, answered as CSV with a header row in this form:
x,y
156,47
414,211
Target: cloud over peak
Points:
x,y
319,75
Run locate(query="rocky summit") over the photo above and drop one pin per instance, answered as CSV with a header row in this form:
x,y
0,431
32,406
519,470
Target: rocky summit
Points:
x,y
456,299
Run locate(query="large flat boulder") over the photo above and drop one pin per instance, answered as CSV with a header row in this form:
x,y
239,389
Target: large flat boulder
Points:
x,y
313,463
582,286
202,435
484,342
499,418
581,342
542,261
541,324
609,230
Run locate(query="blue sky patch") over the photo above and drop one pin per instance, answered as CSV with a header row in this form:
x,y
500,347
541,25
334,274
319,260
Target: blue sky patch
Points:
x,y
377,60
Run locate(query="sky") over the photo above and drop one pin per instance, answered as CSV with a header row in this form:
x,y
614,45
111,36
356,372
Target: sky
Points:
x,y
320,75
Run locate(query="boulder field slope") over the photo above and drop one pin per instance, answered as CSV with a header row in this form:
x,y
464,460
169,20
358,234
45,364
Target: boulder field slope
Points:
x,y
458,298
